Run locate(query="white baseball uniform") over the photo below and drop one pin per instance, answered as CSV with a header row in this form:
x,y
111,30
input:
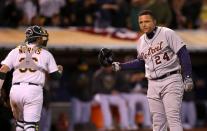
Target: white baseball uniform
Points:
x,y
26,95
165,88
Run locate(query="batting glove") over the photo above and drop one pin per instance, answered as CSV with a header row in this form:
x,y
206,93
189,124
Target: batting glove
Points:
x,y
116,66
188,84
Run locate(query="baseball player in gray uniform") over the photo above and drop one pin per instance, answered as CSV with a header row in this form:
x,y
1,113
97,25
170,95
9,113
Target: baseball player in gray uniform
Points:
x,y
168,69
30,63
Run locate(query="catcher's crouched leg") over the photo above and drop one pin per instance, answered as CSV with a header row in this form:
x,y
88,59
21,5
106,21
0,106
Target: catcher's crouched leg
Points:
x,y
31,126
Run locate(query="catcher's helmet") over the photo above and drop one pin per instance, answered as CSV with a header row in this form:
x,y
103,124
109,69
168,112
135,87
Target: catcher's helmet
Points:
x,y
34,32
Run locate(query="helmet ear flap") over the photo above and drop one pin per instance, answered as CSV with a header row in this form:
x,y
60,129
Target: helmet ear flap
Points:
x,y
29,35
29,32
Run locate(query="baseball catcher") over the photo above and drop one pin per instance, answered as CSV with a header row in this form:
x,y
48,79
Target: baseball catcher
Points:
x,y
30,62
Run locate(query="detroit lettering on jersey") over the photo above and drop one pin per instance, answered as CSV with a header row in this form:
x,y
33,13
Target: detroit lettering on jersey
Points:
x,y
159,53
152,50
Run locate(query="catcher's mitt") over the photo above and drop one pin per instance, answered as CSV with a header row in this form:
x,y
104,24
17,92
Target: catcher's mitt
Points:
x,y
105,57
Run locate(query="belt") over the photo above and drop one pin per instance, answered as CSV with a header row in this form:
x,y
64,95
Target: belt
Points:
x,y
167,74
29,83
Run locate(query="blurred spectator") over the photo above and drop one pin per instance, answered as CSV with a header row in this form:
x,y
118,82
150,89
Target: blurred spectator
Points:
x,y
49,8
46,114
29,9
38,20
81,95
2,6
161,11
59,89
189,107
5,115
203,15
201,89
10,15
131,89
120,15
104,83
67,13
101,13
135,7
107,10
58,92
200,83
7,121
62,123
56,20
85,12
179,20
201,100
192,16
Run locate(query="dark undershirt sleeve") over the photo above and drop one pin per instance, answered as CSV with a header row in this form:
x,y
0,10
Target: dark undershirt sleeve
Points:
x,y
55,75
185,62
136,64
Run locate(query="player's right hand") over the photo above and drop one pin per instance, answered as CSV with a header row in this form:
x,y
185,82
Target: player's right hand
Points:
x,y
188,84
60,69
116,66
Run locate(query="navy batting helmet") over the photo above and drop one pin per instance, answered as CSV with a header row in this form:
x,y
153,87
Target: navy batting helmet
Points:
x,y
34,32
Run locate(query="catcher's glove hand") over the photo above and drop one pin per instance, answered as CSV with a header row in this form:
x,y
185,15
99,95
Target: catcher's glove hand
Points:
x,y
105,57
188,84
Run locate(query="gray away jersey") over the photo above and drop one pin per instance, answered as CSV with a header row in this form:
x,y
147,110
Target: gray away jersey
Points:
x,y
159,53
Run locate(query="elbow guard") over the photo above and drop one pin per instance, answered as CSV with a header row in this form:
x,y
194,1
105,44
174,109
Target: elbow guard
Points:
x,y
2,75
2,78
55,75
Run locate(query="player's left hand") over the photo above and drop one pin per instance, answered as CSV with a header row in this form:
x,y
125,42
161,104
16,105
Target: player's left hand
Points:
x,y
188,84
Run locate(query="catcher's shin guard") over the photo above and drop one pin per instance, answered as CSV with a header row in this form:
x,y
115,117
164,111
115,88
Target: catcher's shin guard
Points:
x,y
31,126
19,126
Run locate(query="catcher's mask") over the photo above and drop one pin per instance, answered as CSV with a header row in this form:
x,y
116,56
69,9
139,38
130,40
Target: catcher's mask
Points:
x,y
35,32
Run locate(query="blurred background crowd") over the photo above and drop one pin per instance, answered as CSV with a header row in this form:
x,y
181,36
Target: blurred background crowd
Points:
x,y
176,14
89,96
